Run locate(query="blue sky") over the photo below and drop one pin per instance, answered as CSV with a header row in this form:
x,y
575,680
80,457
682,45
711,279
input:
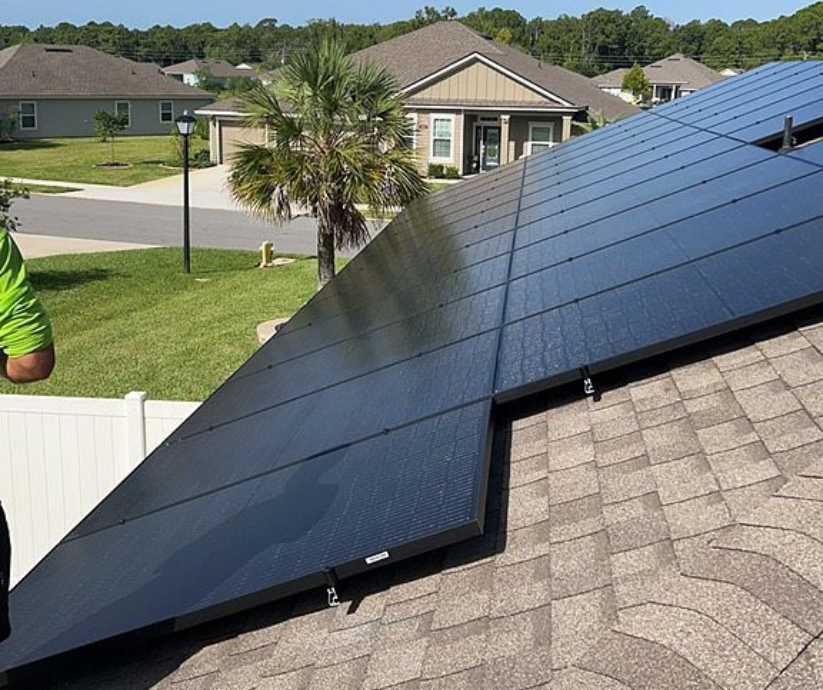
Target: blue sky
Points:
x,y
220,12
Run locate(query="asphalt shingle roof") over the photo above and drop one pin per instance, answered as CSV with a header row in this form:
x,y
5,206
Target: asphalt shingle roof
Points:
x,y
217,68
416,55
675,69
33,70
667,535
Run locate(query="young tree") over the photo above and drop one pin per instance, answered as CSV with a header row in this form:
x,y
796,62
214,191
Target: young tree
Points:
x,y
637,83
108,127
207,82
505,36
337,139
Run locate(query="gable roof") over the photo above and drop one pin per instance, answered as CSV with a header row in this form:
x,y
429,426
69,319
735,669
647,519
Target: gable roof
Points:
x,y
33,70
219,69
675,69
666,535
417,55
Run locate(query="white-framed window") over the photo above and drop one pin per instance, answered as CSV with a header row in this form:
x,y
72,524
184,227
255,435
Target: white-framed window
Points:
x,y
27,115
410,142
166,111
123,109
442,138
541,137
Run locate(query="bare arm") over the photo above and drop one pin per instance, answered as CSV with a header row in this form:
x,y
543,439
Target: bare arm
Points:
x,y
36,366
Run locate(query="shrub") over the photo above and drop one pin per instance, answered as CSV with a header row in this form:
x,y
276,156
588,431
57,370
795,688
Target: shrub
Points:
x,y
201,129
436,170
8,123
196,160
8,193
201,159
451,173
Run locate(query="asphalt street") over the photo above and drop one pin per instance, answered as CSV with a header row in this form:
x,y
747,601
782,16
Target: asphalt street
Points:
x,y
160,225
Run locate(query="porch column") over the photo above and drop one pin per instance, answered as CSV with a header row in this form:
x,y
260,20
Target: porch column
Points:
x,y
567,128
504,140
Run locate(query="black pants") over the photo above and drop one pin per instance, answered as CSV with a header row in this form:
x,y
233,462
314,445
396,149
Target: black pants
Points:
x,y
5,575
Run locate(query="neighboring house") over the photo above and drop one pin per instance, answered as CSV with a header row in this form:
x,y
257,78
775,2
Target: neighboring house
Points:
x,y
475,104
55,91
730,72
671,78
219,70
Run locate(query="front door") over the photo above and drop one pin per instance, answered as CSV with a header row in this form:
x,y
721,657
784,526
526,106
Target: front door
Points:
x,y
487,146
491,148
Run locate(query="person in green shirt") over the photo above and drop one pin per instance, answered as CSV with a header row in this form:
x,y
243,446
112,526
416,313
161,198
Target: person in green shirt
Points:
x,y
26,355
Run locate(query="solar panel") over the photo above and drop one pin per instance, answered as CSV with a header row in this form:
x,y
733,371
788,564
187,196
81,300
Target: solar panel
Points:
x,y
360,433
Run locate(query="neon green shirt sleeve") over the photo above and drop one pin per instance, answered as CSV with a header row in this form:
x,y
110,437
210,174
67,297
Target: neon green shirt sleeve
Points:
x,y
24,324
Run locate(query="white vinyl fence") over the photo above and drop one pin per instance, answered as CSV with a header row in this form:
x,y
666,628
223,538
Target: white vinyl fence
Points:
x,y
59,457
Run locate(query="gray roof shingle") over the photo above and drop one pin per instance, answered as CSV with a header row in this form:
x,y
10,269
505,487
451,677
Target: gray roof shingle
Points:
x,y
667,535
33,70
219,69
675,69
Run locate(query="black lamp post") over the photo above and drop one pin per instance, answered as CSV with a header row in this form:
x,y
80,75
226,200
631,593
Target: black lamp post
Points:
x,y
185,125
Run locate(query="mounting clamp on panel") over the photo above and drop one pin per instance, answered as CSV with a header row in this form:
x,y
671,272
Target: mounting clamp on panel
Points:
x,y
588,385
331,588
788,134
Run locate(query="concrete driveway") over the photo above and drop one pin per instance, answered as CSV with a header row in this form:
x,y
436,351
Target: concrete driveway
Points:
x,y
208,189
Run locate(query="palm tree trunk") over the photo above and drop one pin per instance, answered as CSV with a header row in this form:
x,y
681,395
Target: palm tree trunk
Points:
x,y
325,255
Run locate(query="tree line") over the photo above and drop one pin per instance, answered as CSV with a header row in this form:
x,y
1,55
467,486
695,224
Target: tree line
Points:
x,y
592,43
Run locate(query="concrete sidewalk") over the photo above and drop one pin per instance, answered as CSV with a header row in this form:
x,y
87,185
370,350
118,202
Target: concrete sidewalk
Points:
x,y
34,246
54,183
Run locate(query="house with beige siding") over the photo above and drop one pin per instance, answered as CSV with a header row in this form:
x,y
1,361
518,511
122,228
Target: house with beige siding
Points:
x,y
672,77
475,104
56,90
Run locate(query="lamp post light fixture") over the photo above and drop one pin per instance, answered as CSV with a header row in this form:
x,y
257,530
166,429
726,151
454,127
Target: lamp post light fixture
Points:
x,y
185,125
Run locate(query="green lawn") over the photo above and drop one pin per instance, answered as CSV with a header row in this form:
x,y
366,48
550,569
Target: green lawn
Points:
x,y
132,320
74,160
440,186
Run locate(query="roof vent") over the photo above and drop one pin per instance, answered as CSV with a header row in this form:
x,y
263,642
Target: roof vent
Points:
x,y
59,50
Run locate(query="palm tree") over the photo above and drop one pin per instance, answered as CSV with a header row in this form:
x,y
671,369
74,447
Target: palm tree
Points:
x,y
337,134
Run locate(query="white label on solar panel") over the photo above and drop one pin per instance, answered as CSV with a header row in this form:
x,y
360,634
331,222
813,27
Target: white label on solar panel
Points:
x,y
382,556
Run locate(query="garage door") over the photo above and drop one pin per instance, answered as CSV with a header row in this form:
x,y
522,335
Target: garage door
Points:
x,y
233,135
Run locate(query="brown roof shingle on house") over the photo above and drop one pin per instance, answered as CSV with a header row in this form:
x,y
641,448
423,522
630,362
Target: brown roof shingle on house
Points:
x,y
415,56
665,536
675,69
33,70
422,53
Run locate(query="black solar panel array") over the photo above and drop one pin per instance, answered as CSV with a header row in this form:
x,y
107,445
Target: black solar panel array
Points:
x,y
361,431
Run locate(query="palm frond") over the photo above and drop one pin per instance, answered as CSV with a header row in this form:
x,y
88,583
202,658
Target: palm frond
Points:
x,y
335,141
259,183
